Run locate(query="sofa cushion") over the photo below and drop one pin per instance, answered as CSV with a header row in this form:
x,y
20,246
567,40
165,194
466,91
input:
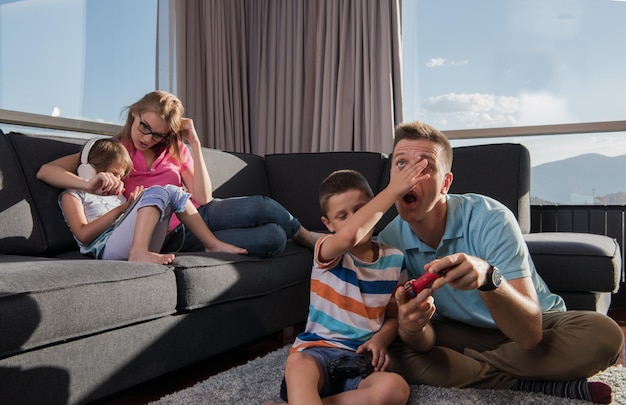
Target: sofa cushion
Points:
x,y
576,262
45,301
210,279
32,152
295,179
21,231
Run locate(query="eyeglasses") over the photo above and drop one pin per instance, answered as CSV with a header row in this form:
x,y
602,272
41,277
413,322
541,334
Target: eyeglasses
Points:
x,y
146,130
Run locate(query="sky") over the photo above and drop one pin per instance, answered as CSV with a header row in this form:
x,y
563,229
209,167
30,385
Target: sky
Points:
x,y
497,63
76,58
466,64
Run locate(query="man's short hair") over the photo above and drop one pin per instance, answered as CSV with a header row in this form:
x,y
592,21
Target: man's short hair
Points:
x,y
418,130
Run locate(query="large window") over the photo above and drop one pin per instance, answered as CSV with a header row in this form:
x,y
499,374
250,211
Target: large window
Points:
x,y
76,58
503,63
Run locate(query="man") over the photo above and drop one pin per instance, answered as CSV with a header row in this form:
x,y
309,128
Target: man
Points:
x,y
496,324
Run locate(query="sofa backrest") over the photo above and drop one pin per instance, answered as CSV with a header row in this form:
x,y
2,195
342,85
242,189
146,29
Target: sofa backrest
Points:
x,y
31,221
500,171
295,179
236,174
20,228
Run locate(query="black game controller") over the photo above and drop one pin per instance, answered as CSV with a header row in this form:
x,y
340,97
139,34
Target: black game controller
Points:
x,y
350,366
416,285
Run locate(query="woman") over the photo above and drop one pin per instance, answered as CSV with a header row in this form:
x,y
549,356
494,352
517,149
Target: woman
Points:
x,y
153,135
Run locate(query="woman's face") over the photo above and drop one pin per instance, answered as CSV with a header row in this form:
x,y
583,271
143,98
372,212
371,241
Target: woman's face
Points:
x,y
148,130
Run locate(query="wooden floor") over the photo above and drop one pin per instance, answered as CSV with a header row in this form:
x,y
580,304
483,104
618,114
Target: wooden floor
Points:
x,y
188,376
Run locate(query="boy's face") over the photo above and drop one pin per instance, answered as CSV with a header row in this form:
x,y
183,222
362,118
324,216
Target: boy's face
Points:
x,y
342,206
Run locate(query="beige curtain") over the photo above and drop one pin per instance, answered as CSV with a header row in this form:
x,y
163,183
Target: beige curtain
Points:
x,y
358,96
212,70
280,76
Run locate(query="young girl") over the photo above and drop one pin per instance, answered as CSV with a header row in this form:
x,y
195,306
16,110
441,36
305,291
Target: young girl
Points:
x,y
118,228
153,135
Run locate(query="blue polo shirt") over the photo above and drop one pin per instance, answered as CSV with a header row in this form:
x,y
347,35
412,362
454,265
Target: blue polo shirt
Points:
x,y
478,226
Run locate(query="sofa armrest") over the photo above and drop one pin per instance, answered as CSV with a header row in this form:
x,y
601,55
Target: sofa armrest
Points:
x,y
576,261
578,265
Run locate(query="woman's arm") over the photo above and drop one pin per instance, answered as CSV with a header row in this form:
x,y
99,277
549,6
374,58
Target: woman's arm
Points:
x,y
61,173
196,179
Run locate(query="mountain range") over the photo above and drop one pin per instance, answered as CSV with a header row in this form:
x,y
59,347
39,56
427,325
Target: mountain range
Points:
x,y
585,179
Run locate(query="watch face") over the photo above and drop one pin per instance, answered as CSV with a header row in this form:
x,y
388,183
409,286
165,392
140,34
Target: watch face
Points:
x,y
496,276
494,281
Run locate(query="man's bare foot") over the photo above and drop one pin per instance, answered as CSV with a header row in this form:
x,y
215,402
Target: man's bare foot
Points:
x,y
306,238
224,247
150,257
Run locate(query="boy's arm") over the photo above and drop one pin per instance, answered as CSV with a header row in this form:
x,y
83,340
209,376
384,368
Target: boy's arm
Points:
x,y
365,219
379,342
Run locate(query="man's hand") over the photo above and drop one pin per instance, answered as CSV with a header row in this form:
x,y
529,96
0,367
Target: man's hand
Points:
x,y
414,314
463,272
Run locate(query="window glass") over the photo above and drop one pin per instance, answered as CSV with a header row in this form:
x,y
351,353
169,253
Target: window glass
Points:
x,y
499,63
573,169
506,63
76,58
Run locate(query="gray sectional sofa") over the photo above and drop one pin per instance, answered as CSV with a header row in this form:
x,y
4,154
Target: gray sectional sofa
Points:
x,y
73,330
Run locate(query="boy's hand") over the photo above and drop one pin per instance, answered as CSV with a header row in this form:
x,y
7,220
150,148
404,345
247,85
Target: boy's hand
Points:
x,y
404,180
380,358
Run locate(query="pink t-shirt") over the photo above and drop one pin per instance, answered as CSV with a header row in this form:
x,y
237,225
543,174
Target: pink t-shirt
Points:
x,y
164,170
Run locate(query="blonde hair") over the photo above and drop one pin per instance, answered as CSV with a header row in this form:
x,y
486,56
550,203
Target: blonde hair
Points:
x,y
169,108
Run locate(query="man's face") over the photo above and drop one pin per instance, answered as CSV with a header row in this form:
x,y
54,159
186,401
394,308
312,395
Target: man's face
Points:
x,y
416,204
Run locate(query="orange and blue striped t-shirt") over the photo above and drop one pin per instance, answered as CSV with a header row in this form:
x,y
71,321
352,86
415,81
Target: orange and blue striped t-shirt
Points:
x,y
349,298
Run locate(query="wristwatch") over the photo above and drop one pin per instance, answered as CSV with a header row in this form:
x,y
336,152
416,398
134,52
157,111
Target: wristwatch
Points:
x,y
494,278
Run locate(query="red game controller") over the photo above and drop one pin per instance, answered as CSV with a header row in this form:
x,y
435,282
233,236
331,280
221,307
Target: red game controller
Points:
x,y
416,285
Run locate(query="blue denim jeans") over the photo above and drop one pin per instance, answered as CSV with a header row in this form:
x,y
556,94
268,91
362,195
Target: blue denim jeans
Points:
x,y
256,223
323,356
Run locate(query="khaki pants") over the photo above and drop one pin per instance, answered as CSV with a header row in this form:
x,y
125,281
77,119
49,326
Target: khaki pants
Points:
x,y
575,345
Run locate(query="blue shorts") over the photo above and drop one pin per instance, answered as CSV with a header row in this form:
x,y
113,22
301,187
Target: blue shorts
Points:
x,y
324,355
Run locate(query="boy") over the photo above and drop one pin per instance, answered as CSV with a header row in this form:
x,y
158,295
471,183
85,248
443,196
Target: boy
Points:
x,y
351,315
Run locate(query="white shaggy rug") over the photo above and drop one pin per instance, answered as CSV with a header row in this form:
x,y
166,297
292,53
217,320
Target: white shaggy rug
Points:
x,y
259,380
